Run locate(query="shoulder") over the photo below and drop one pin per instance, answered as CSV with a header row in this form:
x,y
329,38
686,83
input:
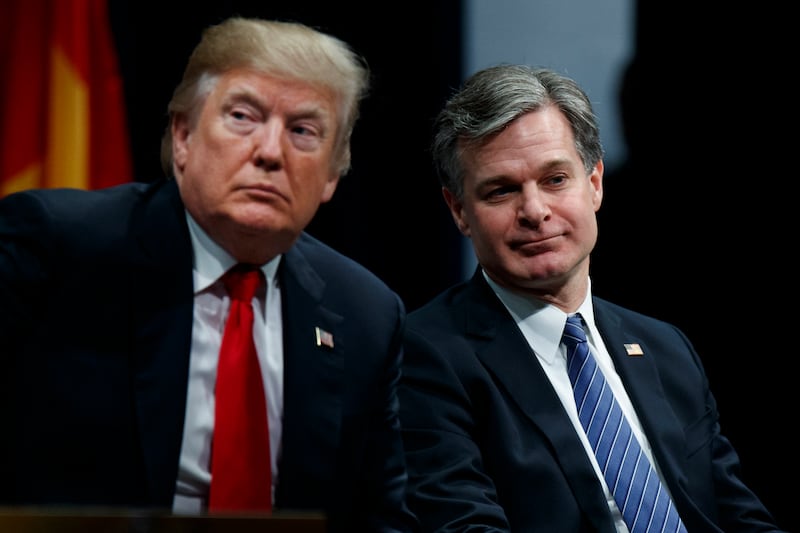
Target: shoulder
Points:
x,y
67,205
606,307
470,305
76,219
447,303
610,315
343,276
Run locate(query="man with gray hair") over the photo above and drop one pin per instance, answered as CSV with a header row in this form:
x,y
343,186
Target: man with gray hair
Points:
x,y
528,403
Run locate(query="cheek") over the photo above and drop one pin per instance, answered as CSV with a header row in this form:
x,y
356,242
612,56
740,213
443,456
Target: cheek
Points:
x,y
493,220
488,225
209,155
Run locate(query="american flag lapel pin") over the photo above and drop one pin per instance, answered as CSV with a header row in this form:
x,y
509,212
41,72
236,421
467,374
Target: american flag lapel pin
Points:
x,y
633,349
324,338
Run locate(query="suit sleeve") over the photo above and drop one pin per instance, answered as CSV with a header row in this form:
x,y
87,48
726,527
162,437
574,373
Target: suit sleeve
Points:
x,y
385,454
738,507
448,486
26,243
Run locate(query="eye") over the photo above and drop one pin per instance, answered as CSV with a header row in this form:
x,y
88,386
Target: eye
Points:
x,y
303,130
241,119
306,136
556,181
500,192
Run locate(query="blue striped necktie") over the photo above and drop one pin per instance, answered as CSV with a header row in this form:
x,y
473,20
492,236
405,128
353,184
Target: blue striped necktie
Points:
x,y
645,504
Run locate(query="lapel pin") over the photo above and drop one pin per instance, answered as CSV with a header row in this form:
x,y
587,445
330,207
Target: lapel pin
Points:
x,y
634,349
324,338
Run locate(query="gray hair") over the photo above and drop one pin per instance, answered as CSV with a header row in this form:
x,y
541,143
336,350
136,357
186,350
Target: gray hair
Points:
x,y
288,50
494,97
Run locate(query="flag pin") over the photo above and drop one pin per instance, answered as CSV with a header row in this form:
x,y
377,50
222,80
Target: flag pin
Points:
x,y
324,338
634,349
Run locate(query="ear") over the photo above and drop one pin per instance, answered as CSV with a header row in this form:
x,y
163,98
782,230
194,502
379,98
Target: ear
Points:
x,y
330,187
457,211
596,181
179,128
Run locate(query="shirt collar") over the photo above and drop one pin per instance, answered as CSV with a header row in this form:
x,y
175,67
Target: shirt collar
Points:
x,y
540,322
211,261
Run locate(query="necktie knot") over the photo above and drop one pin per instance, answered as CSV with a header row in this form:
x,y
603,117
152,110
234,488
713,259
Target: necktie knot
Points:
x,y
573,331
242,281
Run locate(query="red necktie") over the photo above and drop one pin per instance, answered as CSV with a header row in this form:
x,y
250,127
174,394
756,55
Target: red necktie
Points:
x,y
241,479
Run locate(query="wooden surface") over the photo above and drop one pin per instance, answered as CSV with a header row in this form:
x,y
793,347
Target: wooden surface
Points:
x,y
28,520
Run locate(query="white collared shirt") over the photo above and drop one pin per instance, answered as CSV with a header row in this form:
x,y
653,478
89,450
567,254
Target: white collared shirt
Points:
x,y
542,325
211,303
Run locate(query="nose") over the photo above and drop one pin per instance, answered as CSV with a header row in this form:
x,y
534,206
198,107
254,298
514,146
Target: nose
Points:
x,y
267,147
533,208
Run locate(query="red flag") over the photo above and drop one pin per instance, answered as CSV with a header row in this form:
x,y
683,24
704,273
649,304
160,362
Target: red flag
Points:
x,y
62,107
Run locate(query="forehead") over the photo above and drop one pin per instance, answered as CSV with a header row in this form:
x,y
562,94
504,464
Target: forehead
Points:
x,y
272,92
536,139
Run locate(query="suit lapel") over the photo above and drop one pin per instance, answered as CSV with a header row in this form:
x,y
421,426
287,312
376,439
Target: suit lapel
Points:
x,y
502,348
161,292
640,376
313,370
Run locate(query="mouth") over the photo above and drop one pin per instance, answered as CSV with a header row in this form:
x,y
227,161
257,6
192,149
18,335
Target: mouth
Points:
x,y
262,192
532,247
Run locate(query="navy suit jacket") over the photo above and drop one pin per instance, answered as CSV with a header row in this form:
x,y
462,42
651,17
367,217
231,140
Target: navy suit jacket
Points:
x,y
490,448
96,304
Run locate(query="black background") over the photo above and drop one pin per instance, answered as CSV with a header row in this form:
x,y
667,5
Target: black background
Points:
x,y
697,228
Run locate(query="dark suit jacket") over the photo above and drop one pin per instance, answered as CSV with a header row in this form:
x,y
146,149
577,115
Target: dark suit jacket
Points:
x,y
95,333
489,444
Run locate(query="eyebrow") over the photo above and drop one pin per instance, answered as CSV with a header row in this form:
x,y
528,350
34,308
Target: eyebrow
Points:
x,y
239,95
548,166
304,109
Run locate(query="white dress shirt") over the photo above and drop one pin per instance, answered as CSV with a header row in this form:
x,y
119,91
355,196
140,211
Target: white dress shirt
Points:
x,y
211,303
542,325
